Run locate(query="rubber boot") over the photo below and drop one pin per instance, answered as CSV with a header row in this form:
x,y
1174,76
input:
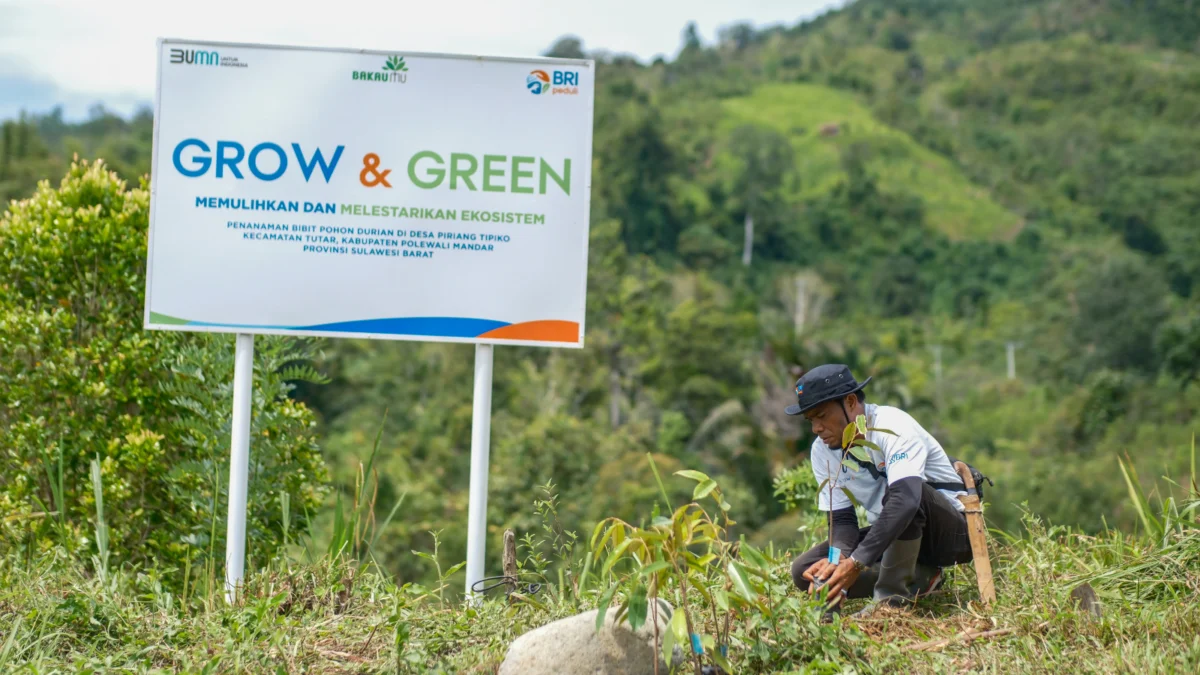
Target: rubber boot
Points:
x,y
897,572
927,580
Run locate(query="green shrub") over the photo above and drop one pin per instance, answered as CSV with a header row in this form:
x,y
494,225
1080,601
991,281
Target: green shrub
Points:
x,y
81,379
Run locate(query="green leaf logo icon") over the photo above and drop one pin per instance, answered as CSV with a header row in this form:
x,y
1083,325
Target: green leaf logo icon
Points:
x,y
395,63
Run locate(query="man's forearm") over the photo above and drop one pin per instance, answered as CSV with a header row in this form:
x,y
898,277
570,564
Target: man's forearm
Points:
x,y
903,500
845,530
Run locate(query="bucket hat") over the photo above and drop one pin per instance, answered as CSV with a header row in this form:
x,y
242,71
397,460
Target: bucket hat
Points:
x,y
824,383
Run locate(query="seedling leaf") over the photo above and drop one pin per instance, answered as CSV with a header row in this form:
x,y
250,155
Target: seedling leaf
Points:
x,y
703,489
654,568
679,626
848,435
637,607
740,583
694,475
860,453
853,499
617,554
754,557
605,600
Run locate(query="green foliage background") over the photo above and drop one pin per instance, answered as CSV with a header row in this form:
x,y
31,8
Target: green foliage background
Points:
x,y
923,176
81,379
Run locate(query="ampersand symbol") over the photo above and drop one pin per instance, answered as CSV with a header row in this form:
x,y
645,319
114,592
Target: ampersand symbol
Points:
x,y
369,176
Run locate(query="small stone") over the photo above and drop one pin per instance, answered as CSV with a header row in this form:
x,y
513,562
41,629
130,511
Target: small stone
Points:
x,y
1085,599
573,646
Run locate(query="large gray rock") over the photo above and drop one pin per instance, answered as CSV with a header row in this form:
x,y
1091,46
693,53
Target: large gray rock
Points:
x,y
573,646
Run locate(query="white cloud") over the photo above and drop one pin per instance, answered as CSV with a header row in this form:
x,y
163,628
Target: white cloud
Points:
x,y
106,47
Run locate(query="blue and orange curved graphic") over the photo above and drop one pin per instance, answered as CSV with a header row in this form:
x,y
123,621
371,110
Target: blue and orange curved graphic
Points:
x,y
538,82
431,326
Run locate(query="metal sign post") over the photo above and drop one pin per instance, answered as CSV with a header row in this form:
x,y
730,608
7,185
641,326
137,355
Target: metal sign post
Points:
x,y
481,432
239,466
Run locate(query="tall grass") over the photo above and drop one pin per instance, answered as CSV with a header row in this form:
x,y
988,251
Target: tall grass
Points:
x,y
355,533
1170,517
54,477
101,561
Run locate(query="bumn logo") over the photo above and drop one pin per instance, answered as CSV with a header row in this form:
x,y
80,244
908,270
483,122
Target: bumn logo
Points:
x,y
197,57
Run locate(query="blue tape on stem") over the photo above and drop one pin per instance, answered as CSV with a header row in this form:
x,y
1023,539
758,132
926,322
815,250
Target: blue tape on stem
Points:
x,y
696,648
835,555
725,651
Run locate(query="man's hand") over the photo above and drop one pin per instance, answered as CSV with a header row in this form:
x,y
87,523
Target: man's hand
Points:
x,y
817,571
843,578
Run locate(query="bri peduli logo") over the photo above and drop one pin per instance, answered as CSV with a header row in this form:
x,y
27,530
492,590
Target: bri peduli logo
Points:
x,y
540,82
394,70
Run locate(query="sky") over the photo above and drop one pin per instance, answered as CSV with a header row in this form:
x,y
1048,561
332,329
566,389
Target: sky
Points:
x,y
77,53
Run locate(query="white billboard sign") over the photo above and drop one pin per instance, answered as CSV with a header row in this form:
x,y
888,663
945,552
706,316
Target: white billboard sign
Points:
x,y
350,193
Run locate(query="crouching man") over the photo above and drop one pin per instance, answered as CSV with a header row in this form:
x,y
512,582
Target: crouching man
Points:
x,y
908,490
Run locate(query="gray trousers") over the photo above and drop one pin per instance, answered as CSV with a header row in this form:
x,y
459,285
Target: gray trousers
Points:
x,y
944,542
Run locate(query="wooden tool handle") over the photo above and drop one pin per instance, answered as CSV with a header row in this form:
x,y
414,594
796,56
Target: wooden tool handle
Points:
x,y
978,536
965,474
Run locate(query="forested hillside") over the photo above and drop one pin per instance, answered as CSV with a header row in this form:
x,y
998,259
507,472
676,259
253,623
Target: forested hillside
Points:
x,y
905,186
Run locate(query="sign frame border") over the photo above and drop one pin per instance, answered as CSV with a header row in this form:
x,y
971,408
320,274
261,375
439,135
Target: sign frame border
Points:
x,y
148,324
